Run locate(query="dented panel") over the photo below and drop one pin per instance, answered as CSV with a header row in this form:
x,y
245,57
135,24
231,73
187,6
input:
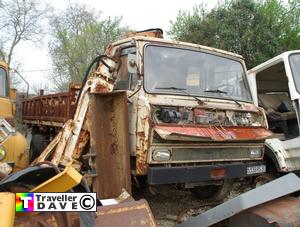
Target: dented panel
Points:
x,y
217,133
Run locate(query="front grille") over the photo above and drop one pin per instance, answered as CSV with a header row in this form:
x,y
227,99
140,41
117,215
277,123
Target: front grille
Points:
x,y
210,154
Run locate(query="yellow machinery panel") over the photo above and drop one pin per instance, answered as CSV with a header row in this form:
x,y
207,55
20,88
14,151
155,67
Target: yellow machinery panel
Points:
x,y
7,209
62,182
16,148
6,108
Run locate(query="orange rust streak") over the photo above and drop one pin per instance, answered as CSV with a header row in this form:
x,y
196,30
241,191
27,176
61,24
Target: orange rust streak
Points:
x,y
218,133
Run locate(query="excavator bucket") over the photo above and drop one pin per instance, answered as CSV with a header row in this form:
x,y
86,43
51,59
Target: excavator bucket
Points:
x,y
62,182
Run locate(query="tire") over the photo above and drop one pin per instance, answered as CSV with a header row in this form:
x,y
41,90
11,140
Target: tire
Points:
x,y
213,192
37,145
263,179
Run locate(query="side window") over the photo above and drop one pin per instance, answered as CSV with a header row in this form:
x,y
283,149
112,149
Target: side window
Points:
x,y
125,79
3,83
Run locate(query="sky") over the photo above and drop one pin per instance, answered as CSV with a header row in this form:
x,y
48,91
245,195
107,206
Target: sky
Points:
x,y
137,14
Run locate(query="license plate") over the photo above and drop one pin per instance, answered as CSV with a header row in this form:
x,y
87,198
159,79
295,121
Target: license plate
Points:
x,y
256,169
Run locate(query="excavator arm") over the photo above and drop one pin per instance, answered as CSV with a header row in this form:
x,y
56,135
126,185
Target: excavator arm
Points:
x,y
68,145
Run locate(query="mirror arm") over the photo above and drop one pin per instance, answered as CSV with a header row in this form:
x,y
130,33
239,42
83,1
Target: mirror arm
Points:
x,y
24,81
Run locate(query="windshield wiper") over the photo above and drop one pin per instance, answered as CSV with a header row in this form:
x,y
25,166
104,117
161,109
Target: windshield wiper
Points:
x,y
216,91
171,88
224,92
183,90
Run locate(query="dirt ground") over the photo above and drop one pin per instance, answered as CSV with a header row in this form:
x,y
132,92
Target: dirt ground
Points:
x,y
173,205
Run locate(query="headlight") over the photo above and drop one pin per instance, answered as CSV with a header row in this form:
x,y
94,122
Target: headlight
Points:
x,y
2,153
161,155
255,152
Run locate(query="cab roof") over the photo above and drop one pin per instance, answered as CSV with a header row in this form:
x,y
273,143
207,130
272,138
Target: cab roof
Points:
x,y
150,39
272,61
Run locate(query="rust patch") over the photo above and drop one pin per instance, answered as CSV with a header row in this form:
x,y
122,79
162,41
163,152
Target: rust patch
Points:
x,y
56,108
110,143
142,151
217,133
131,214
82,142
156,33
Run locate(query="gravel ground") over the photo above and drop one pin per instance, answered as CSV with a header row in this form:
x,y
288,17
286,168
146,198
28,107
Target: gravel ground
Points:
x,y
172,204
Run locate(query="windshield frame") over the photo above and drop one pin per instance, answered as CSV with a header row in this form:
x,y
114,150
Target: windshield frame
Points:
x,y
190,48
297,86
6,85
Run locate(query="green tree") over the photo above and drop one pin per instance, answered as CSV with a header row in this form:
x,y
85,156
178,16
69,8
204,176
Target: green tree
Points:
x,y
79,35
258,30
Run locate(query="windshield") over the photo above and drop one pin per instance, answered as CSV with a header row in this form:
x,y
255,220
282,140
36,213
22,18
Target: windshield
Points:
x,y
179,71
295,63
3,82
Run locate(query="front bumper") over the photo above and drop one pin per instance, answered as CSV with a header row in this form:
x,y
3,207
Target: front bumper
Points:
x,y
188,174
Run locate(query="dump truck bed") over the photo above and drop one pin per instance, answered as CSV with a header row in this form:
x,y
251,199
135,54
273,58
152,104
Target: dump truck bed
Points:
x,y
50,110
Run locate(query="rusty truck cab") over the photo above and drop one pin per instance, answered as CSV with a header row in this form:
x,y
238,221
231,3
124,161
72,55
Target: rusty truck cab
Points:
x,y
192,119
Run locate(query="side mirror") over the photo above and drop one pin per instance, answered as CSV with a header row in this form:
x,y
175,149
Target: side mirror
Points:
x,y
131,63
13,94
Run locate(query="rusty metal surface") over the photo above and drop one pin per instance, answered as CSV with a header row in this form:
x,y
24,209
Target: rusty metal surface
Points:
x,y
131,214
212,132
143,129
57,108
62,143
157,33
48,219
281,212
109,140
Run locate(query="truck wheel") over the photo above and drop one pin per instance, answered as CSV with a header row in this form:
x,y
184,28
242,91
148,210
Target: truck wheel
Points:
x,y
213,192
263,179
37,145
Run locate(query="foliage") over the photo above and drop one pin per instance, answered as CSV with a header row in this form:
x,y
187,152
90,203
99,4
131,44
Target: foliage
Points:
x,y
258,30
79,35
20,20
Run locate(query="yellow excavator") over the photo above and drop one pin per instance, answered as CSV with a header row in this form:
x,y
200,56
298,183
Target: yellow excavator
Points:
x,y
13,145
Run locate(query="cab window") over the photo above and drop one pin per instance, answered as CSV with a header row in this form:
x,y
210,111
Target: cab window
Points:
x,y
3,83
126,80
